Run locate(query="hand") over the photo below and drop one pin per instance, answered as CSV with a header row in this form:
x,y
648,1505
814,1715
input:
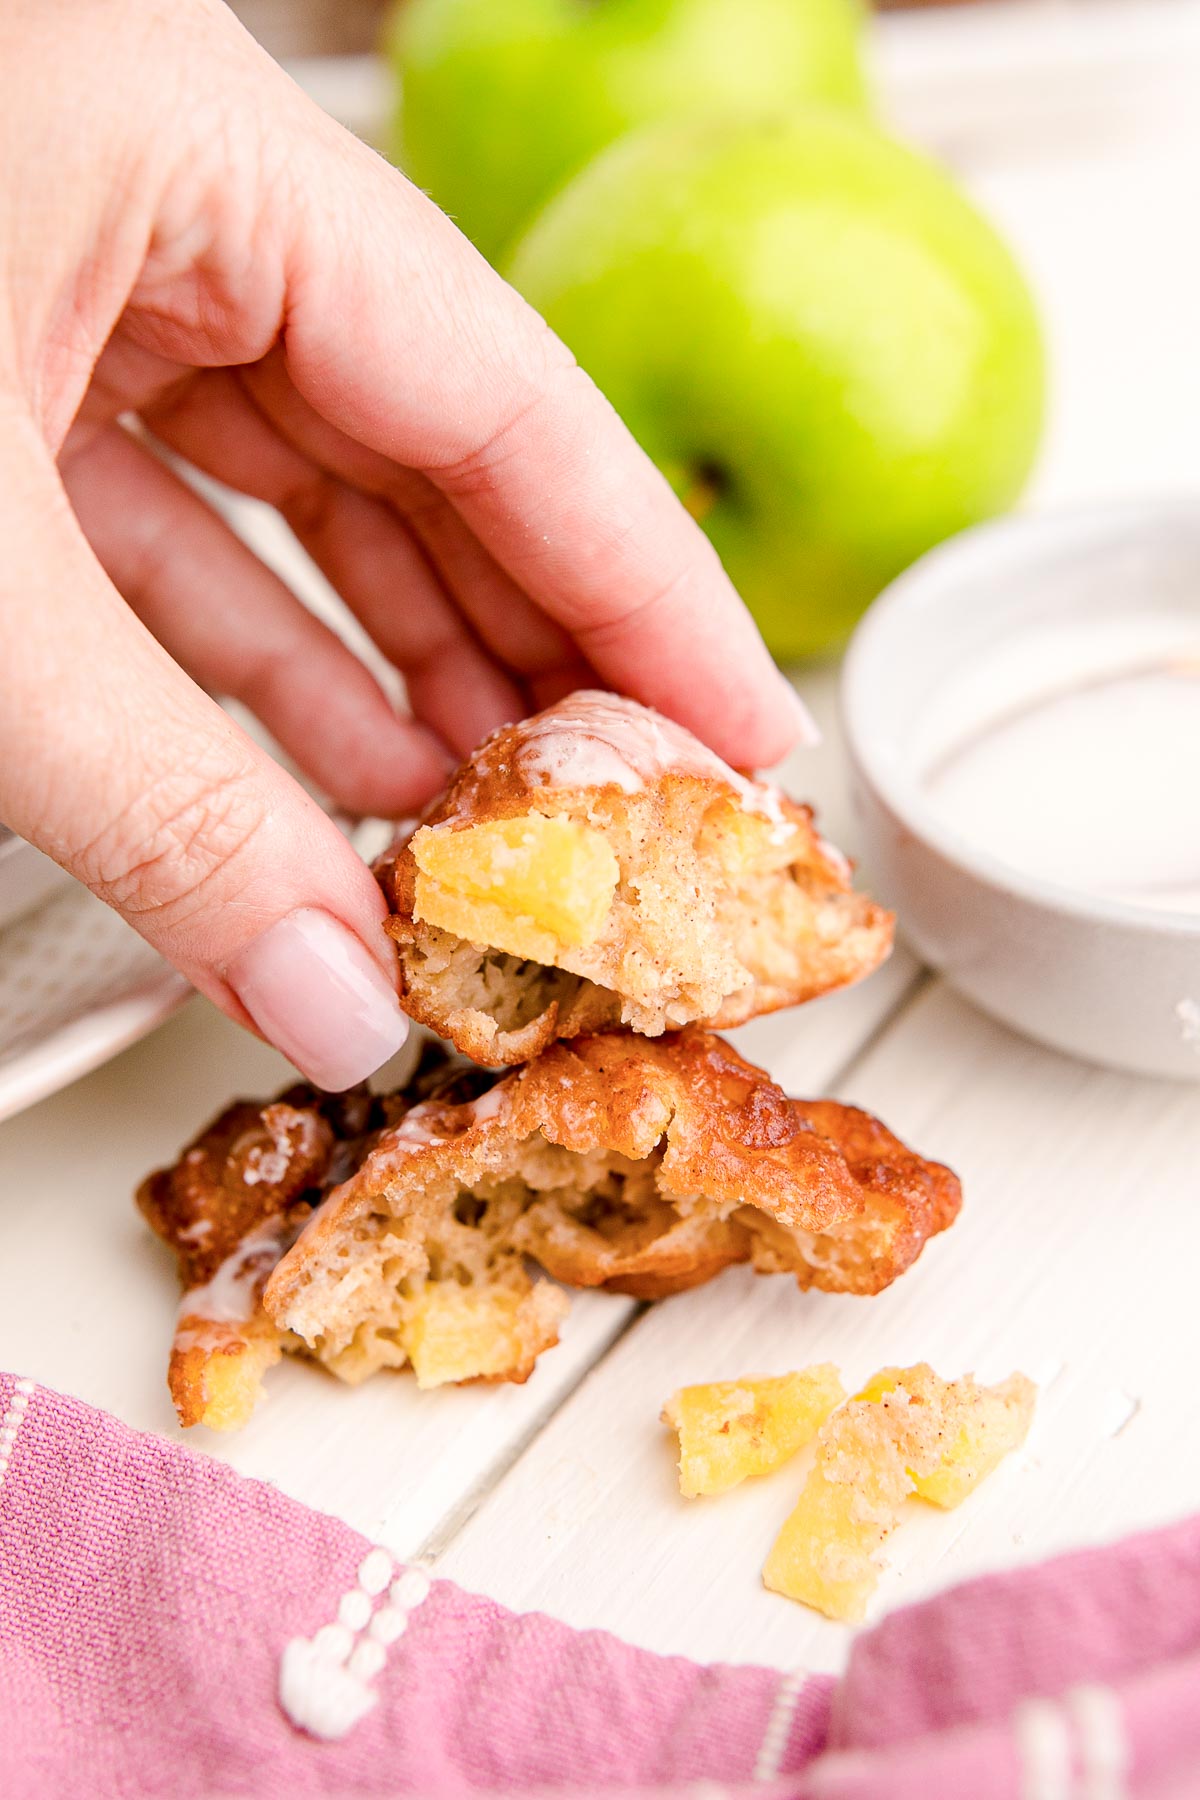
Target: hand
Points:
x,y
190,244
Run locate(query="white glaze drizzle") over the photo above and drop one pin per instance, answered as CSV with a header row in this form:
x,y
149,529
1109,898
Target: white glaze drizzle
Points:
x,y
491,1103
265,1165
228,1297
196,1232
592,739
293,1132
415,1130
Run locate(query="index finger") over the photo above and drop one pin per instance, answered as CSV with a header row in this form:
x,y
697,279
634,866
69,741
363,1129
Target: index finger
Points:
x,y
401,335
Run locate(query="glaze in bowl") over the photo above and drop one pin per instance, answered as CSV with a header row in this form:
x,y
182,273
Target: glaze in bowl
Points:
x,y
1111,981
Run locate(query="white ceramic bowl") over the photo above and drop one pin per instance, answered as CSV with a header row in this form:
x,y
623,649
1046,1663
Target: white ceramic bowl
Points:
x,y
1105,980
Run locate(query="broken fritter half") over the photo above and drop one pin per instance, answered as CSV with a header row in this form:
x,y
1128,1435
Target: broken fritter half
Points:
x,y
597,866
238,1198
421,1228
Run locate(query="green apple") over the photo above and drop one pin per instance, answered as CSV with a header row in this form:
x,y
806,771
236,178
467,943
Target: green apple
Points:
x,y
502,100
830,353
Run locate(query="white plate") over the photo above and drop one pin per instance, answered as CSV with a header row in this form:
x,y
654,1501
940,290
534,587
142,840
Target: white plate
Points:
x,y
26,877
77,985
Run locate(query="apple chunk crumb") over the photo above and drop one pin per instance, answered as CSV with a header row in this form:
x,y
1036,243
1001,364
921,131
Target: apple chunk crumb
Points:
x,y
731,1429
907,1432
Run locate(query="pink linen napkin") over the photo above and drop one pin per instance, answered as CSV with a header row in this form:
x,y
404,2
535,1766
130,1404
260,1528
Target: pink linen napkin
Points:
x,y
169,1628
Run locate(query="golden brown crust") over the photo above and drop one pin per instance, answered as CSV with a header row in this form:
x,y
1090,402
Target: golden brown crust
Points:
x,y
229,1208
729,903
830,1194
726,1129
641,1166
911,1199
906,1201
253,1162
216,1368
682,1158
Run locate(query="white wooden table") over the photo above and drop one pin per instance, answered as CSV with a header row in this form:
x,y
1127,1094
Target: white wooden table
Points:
x,y
1074,1255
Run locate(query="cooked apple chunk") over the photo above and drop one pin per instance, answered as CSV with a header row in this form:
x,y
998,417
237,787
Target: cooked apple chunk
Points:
x,y
729,1430
596,866
909,1432
531,885
480,1333
979,1425
827,1553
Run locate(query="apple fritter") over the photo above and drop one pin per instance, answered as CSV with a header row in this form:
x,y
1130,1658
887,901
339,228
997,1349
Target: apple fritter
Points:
x,y
236,1201
229,1208
641,1166
597,866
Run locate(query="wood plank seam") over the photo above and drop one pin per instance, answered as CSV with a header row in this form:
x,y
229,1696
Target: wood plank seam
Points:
x,y
490,1478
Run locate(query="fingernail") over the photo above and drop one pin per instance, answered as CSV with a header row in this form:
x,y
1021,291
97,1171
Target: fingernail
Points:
x,y
808,731
314,989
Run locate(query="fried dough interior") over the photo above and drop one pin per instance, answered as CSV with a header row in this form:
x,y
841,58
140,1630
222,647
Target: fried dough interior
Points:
x,y
641,1167
596,866
442,1280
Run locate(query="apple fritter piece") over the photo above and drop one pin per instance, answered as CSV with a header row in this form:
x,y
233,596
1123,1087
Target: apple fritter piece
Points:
x,y
229,1208
650,1231
237,1199
643,1166
597,866
614,1161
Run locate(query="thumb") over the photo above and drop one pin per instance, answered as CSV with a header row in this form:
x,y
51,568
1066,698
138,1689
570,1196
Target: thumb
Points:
x,y
117,765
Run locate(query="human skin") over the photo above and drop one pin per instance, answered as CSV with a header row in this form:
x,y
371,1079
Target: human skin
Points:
x,y
194,257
